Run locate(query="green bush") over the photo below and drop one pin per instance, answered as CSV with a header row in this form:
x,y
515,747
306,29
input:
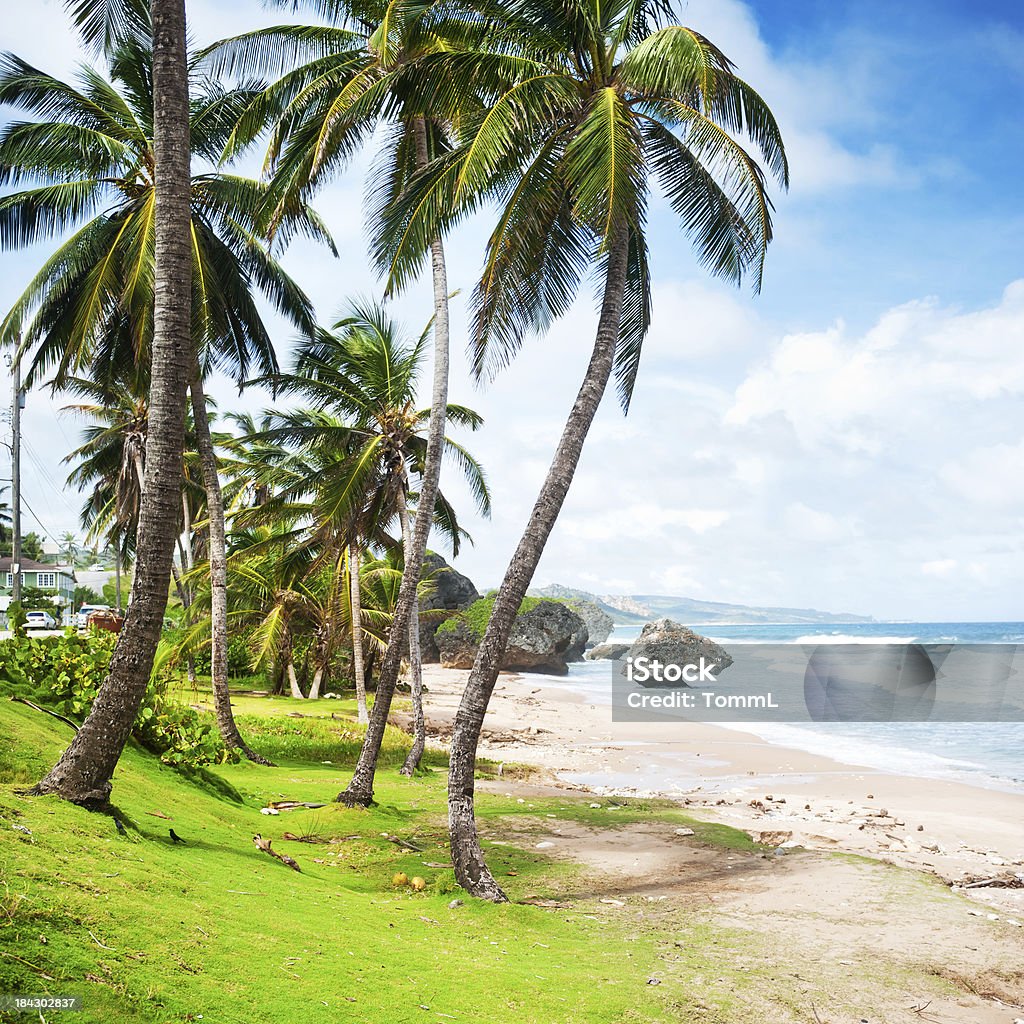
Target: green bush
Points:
x,y
239,657
478,614
66,672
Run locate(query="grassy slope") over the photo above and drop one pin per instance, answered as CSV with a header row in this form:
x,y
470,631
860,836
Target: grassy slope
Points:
x,y
216,930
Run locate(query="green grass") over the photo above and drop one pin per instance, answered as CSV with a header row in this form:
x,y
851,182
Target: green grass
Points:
x,y
146,930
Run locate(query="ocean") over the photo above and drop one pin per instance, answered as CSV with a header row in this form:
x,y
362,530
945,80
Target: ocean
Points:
x,y
988,755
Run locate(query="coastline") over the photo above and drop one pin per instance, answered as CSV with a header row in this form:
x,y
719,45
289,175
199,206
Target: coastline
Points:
x,y
955,830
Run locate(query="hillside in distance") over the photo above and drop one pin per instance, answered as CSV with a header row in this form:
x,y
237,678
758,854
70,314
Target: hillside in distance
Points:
x,y
639,608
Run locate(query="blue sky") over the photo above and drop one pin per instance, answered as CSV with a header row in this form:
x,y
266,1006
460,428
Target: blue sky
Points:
x,y
852,438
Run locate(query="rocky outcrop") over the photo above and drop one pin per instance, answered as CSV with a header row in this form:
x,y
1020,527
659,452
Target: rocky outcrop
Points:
x,y
629,605
672,643
448,592
599,623
545,637
607,652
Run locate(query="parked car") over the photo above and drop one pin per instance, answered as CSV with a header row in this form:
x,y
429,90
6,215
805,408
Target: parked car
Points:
x,y
39,619
82,619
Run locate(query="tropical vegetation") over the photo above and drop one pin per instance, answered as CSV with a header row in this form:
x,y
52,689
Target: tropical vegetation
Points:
x,y
285,548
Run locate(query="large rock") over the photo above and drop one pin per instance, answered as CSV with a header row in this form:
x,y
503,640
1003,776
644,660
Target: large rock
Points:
x,y
599,623
605,652
448,592
672,643
545,637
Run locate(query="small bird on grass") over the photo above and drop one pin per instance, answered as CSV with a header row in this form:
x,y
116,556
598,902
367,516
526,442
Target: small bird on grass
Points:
x,y
175,838
121,830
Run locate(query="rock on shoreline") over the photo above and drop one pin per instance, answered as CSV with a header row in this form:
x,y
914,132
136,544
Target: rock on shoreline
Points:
x,y
546,636
449,592
673,643
607,652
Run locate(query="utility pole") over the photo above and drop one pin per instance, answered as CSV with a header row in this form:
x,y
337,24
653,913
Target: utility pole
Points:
x,y
19,402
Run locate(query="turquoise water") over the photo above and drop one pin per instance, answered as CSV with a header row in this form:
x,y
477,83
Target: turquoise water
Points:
x,y
990,755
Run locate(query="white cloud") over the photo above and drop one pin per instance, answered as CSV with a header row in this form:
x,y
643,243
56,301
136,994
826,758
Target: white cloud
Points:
x,y
991,476
918,364
815,526
812,97
940,567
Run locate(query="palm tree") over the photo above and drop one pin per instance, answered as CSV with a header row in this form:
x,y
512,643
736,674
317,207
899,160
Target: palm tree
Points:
x,y
109,468
282,593
361,383
339,83
84,772
109,464
69,547
91,303
587,103
5,514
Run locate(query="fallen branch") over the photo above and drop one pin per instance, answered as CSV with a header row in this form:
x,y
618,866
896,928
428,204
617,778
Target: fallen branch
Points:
x,y
45,711
998,882
98,943
405,844
264,845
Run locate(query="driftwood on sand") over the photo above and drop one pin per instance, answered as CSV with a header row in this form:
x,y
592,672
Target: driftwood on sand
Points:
x,y
264,845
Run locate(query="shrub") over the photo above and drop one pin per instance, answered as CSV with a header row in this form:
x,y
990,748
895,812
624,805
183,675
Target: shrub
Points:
x,y
66,672
239,655
478,614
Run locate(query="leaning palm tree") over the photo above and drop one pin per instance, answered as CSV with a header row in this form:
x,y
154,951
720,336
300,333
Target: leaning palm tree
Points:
x,y
589,102
89,308
340,83
84,772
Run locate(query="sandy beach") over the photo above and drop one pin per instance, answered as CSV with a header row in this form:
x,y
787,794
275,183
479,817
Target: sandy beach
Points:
x,y
959,832
864,905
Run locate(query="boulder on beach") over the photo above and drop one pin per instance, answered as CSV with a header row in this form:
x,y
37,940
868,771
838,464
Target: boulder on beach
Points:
x,y
607,652
546,636
599,623
446,592
673,643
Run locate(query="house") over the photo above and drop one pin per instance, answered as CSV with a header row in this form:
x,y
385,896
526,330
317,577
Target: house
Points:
x,y
57,580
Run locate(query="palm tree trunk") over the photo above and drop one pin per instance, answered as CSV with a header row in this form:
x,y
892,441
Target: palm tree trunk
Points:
x,y
218,573
419,732
471,871
314,689
117,575
84,772
360,788
356,618
186,603
188,557
293,682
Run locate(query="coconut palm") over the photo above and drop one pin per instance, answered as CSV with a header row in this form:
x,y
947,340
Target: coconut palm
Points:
x,y
284,597
109,465
90,305
339,83
361,383
588,103
83,773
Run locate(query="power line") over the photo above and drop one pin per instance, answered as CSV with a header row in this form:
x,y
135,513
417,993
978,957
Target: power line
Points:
x,y
39,522
45,477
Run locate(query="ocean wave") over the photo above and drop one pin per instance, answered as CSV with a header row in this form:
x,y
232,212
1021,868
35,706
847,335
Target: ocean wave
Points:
x,y
890,748
847,638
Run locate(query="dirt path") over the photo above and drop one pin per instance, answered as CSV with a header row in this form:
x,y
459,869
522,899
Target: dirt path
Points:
x,y
844,937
